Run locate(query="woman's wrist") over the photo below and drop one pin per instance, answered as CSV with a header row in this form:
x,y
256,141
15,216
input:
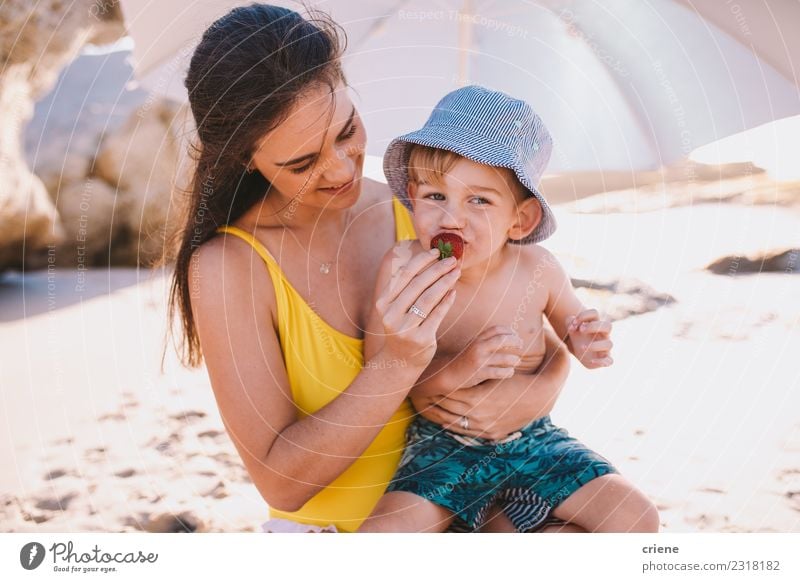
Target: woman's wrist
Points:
x,y
400,364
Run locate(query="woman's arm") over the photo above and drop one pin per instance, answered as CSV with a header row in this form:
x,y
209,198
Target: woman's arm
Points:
x,y
291,459
497,408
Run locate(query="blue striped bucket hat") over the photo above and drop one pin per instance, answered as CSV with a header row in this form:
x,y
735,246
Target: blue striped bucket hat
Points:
x,y
487,127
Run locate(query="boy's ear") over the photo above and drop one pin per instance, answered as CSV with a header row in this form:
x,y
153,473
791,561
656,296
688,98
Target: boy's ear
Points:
x,y
529,215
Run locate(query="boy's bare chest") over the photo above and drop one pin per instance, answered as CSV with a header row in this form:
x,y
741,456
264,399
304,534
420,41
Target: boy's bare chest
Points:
x,y
491,305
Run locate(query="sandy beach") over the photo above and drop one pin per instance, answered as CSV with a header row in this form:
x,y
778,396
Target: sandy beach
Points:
x,y
699,409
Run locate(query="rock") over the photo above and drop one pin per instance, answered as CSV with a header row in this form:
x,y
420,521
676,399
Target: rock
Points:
x,y
621,298
63,170
787,261
28,219
90,217
140,161
36,42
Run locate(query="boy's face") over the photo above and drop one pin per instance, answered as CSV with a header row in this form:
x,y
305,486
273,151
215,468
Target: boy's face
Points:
x,y
483,205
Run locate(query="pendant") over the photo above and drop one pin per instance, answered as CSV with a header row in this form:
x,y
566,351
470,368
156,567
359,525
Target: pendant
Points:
x,y
325,268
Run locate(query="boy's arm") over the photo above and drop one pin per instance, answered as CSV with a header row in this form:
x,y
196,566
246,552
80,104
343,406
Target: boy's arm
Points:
x,y
562,302
586,336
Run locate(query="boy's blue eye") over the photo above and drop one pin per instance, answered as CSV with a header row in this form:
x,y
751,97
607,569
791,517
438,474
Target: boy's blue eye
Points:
x,y
481,201
435,196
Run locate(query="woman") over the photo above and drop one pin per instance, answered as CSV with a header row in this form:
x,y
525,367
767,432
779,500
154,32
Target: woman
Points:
x,y
279,296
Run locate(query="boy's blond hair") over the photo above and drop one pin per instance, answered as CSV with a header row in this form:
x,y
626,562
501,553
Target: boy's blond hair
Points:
x,y
427,165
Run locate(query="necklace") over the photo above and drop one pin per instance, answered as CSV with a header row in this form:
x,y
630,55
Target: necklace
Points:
x,y
324,266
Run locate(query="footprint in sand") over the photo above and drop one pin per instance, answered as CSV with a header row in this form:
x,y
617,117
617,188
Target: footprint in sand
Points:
x,y
125,473
112,416
55,474
215,435
219,491
184,522
56,503
705,521
189,415
95,455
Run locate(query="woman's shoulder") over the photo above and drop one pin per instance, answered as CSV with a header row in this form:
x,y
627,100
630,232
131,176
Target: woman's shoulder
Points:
x,y
375,194
221,267
375,213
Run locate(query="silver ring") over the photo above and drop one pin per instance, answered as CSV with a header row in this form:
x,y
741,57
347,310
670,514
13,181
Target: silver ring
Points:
x,y
418,312
464,423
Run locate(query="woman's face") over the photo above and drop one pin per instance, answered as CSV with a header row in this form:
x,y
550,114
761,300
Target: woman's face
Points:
x,y
316,156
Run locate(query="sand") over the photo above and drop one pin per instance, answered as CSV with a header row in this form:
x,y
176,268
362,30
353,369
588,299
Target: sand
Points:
x,y
699,409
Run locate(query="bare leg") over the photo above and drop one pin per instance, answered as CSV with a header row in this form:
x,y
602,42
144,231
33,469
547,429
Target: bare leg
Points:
x,y
609,504
403,512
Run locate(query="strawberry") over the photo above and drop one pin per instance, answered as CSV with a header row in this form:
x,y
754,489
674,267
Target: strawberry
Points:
x,y
449,245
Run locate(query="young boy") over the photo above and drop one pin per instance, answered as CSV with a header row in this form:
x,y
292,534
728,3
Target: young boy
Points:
x,y
470,178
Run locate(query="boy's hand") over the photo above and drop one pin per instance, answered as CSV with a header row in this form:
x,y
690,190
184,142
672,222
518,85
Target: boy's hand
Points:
x,y
492,355
589,339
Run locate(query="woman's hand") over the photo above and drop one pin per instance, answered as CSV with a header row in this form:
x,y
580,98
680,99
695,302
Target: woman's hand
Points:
x,y
498,408
424,283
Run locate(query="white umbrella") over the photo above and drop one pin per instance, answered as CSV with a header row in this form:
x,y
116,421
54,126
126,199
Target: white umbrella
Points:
x,y
622,85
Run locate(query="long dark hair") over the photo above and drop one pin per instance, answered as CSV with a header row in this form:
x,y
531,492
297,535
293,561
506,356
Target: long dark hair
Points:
x,y
245,75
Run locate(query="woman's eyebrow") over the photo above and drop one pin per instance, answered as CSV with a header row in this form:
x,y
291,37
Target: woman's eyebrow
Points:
x,y
296,160
305,157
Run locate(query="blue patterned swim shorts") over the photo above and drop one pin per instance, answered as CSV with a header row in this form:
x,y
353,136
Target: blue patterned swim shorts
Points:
x,y
527,477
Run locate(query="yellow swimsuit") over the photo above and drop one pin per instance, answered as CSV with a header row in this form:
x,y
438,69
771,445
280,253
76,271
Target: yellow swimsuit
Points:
x,y
321,362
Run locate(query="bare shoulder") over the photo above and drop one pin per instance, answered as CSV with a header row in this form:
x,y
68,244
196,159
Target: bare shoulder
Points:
x,y
225,271
375,201
537,258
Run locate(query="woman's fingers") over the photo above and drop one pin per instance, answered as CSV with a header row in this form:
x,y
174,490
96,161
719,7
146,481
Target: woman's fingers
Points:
x,y
432,296
450,421
404,272
453,407
442,276
411,279
438,313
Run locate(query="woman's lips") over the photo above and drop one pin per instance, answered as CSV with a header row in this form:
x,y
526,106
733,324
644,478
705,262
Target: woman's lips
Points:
x,y
338,190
